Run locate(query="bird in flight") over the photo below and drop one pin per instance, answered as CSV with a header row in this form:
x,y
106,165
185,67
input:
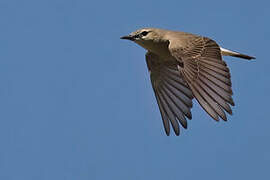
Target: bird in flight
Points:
x,y
182,66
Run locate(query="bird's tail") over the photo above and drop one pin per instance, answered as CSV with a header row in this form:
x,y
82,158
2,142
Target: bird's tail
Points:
x,y
226,52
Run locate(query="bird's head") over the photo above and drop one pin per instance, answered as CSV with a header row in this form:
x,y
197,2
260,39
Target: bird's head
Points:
x,y
144,34
146,37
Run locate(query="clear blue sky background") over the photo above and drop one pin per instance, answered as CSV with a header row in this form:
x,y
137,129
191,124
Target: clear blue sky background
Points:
x,y
76,102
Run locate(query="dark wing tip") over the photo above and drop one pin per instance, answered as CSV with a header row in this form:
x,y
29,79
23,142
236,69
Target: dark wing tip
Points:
x,y
224,118
189,116
184,126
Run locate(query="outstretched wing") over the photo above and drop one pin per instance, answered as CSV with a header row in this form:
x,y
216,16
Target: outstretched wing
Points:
x,y
173,95
206,74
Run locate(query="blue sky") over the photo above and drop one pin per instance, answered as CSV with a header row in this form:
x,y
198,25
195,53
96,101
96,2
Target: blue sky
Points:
x,y
76,101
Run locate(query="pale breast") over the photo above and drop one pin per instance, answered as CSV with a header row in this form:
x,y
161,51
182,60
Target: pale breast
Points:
x,y
158,48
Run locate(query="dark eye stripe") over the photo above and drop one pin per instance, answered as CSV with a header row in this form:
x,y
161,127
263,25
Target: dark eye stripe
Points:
x,y
144,33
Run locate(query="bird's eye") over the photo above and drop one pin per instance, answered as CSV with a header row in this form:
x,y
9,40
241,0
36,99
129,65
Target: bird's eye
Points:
x,y
144,33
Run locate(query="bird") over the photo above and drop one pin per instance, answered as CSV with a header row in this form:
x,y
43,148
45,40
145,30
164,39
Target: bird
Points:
x,y
184,66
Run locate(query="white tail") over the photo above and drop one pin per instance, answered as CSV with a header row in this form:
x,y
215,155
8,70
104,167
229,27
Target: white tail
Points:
x,y
226,52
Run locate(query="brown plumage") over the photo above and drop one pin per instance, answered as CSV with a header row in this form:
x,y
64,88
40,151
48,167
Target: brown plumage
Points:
x,y
183,66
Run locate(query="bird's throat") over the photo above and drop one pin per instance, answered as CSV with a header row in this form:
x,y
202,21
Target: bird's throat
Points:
x,y
158,48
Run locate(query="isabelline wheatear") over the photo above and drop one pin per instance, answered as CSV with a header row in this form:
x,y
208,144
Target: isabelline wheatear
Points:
x,y
183,66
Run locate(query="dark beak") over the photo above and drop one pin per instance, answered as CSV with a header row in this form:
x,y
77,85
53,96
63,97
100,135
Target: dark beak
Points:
x,y
129,37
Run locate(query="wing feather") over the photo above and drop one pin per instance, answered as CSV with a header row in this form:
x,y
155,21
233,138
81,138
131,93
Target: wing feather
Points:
x,y
172,92
206,74
165,120
166,104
